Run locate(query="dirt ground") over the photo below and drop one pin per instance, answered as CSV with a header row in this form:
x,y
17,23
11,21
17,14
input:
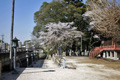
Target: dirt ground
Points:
x,y
106,62
98,65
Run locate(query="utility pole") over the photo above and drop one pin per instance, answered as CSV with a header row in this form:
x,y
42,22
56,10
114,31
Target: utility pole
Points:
x,y
11,38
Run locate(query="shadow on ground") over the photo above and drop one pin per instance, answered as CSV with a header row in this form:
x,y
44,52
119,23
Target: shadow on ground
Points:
x,y
36,64
39,71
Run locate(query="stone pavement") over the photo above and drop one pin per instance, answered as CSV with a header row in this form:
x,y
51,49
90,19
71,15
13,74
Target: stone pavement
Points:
x,y
48,70
39,67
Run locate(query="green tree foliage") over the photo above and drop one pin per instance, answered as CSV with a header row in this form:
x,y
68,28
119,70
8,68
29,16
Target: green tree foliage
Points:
x,y
75,11
52,12
36,30
76,3
63,11
82,24
49,12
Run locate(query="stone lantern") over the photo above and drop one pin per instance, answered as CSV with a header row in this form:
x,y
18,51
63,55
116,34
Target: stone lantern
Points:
x,y
15,45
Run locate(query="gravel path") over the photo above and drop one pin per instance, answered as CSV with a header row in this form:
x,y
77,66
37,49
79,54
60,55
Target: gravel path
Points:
x,y
50,71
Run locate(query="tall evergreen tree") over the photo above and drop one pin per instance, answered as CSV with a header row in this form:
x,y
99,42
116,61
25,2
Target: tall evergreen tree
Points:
x,y
63,11
75,10
49,12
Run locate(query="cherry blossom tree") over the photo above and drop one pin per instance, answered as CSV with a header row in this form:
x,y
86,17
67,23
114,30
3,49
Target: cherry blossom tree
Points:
x,y
57,34
105,17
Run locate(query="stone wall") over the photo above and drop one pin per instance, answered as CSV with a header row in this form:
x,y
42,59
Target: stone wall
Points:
x,y
4,58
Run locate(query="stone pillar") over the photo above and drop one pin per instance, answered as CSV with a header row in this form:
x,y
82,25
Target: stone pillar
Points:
x,y
70,52
53,57
76,53
104,55
115,55
111,56
63,62
82,54
107,54
85,52
64,53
